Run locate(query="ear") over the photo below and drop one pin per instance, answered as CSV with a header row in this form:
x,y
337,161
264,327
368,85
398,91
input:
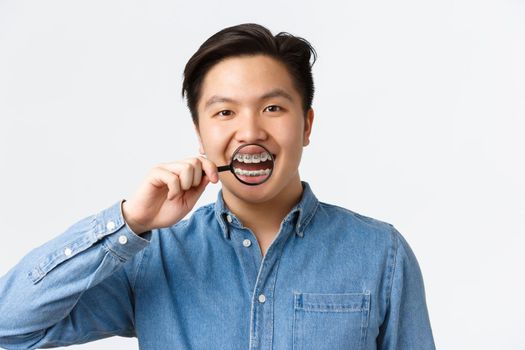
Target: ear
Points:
x,y
201,147
308,121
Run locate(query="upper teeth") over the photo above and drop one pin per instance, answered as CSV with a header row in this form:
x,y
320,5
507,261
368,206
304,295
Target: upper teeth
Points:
x,y
252,158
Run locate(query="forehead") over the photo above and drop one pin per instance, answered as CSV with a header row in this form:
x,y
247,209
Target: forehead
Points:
x,y
246,78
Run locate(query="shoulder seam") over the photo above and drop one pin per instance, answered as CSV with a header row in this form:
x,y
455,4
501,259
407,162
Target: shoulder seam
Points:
x,y
393,258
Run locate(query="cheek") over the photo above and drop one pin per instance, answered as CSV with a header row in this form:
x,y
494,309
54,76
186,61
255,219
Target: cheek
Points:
x,y
214,142
291,135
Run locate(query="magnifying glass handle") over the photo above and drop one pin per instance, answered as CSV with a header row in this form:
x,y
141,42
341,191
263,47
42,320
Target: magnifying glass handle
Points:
x,y
220,169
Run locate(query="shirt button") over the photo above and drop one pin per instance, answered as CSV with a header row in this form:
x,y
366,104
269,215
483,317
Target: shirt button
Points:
x,y
229,218
68,252
110,225
246,243
262,298
123,239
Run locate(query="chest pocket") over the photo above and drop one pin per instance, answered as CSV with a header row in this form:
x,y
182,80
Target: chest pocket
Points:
x,y
330,321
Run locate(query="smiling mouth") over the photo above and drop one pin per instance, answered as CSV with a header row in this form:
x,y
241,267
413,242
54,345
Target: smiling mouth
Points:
x,y
253,164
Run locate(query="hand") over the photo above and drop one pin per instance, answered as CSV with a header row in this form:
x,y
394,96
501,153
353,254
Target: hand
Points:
x,y
168,193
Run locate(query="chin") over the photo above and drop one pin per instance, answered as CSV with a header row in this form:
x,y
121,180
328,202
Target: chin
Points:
x,y
251,194
257,194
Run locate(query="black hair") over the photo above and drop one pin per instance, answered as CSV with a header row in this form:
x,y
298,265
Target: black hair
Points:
x,y
296,53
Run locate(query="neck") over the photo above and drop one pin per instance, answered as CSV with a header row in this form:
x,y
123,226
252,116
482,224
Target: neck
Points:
x,y
264,219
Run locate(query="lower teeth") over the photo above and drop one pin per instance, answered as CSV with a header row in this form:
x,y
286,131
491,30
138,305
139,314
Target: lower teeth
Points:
x,y
252,172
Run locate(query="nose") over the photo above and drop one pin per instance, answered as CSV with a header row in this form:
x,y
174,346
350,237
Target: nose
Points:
x,y
250,129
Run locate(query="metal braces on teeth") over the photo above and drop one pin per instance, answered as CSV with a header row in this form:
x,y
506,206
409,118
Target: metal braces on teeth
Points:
x,y
261,172
252,158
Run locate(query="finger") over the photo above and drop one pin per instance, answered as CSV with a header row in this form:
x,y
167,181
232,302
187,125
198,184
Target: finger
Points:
x,y
196,192
183,170
175,188
179,168
197,170
162,177
186,176
210,169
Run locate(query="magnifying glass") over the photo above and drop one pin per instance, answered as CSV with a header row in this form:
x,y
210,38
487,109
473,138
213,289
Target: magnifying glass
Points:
x,y
252,164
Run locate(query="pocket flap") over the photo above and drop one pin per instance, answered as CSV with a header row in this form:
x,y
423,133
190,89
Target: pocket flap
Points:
x,y
348,302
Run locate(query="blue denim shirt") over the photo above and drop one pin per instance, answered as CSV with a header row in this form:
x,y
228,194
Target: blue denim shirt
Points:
x,y
331,279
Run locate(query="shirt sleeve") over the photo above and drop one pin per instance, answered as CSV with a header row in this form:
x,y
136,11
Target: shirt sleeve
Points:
x,y
406,325
75,288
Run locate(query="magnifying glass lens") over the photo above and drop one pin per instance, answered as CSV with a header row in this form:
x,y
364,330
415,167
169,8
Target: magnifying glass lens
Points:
x,y
252,164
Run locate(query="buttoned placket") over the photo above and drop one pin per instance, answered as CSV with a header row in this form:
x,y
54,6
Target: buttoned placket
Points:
x,y
261,273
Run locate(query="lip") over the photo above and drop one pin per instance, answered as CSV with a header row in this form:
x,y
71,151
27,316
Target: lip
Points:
x,y
253,179
252,149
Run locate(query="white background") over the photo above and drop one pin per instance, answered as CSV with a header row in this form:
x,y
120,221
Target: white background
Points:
x,y
420,110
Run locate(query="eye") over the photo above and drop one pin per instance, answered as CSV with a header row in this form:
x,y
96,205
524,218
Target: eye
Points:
x,y
273,108
225,113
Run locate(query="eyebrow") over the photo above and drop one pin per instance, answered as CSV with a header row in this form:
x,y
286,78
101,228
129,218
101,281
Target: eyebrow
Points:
x,y
270,94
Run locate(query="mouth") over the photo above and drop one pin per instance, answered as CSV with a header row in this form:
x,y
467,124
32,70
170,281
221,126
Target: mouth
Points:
x,y
253,164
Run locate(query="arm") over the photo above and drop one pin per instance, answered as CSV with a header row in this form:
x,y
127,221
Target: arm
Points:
x,y
78,287
72,289
406,325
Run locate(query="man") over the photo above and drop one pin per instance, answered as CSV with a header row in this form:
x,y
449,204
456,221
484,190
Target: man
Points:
x,y
265,267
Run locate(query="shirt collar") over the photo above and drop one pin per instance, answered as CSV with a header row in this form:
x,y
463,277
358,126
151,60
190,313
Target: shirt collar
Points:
x,y
301,213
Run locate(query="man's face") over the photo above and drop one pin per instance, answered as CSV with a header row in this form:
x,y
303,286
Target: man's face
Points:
x,y
251,99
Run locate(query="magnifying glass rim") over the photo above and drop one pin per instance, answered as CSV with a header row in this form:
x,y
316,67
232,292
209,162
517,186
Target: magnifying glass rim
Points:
x,y
251,183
